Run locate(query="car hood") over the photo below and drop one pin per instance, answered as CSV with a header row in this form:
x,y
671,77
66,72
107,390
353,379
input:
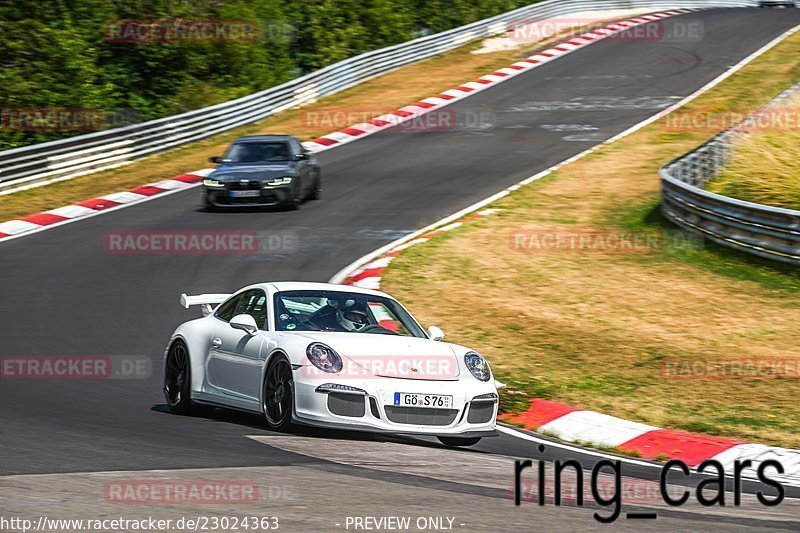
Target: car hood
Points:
x,y
254,172
390,355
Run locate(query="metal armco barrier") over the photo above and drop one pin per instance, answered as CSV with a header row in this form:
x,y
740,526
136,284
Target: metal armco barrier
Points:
x,y
758,229
40,164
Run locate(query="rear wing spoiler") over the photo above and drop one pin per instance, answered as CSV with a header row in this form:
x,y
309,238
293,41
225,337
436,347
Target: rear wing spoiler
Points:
x,y
208,302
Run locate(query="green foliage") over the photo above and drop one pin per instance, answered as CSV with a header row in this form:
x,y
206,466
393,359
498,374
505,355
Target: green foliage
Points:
x,y
55,54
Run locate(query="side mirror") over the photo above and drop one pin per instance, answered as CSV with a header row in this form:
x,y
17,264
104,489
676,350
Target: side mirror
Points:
x,y
299,157
215,159
245,323
435,333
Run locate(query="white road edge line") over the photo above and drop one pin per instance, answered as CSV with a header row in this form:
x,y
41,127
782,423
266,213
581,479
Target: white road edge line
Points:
x,y
564,446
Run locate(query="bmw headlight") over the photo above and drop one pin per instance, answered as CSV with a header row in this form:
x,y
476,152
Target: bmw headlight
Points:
x,y
213,183
324,357
478,366
276,182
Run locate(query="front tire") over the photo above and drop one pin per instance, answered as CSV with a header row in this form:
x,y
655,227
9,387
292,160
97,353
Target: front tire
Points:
x,y
458,442
278,395
177,379
296,199
316,191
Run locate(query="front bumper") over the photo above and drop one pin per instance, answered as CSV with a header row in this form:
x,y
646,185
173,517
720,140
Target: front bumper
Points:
x,y
374,410
267,197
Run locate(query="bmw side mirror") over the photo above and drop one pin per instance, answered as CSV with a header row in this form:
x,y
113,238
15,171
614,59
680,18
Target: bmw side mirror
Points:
x,y
434,333
215,159
245,323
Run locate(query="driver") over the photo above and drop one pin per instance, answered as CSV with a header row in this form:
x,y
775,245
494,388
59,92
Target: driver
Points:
x,y
282,152
247,153
351,319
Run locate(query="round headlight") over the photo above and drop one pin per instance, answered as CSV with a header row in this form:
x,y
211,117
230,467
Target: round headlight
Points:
x,y
324,357
477,366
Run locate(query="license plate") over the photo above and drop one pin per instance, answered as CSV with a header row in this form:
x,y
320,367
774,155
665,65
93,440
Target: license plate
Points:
x,y
244,194
440,401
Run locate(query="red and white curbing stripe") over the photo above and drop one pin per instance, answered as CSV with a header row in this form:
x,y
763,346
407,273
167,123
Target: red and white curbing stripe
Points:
x,y
63,215
410,112
94,206
576,425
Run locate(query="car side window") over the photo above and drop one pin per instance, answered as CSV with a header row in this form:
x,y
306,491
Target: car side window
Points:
x,y
297,148
254,303
227,310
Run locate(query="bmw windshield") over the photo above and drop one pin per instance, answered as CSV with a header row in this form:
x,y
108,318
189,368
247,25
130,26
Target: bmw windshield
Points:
x,y
257,152
347,312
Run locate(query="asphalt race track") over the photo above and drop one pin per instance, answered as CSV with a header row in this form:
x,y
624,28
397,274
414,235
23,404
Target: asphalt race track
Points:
x,y
64,294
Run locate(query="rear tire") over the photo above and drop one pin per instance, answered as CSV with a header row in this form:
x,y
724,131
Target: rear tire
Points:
x,y
177,379
458,442
278,396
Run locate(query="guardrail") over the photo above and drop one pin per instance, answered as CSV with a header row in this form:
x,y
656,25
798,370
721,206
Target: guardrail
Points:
x,y
758,229
45,163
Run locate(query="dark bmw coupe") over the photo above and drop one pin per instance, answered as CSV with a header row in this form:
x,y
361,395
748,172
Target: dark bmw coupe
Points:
x,y
263,171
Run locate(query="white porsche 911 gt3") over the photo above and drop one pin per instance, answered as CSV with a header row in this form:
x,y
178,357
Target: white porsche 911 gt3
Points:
x,y
332,356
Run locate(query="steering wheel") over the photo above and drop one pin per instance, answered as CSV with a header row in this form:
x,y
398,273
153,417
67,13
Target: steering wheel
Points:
x,y
373,327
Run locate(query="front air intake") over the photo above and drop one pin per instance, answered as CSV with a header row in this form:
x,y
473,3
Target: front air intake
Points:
x,y
420,416
480,412
351,405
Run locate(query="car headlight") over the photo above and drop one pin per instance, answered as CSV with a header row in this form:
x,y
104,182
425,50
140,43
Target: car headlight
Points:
x,y
477,366
213,183
324,357
286,180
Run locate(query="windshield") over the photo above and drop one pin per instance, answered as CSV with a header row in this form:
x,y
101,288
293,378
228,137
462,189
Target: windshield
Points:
x,y
257,152
344,312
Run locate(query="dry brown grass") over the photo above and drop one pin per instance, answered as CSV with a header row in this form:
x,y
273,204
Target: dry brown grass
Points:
x,y
593,329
